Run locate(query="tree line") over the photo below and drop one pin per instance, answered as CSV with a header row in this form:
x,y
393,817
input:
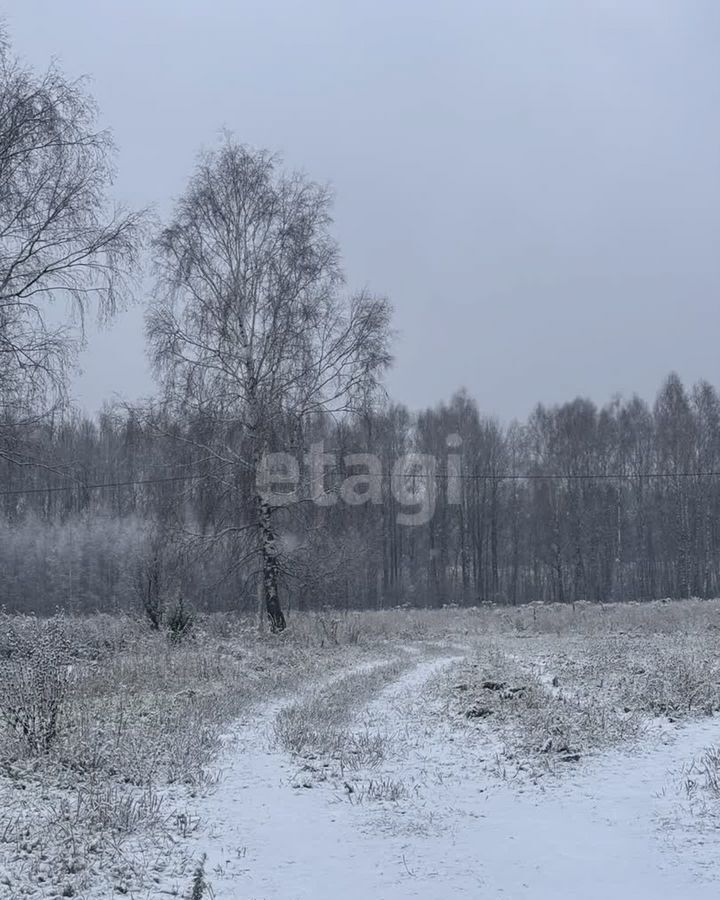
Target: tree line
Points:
x,y
578,503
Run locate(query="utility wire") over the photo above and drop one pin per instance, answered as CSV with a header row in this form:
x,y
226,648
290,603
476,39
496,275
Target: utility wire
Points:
x,y
81,486
462,476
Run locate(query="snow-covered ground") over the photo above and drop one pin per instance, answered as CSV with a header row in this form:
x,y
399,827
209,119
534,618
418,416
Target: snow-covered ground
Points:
x,y
484,754
615,825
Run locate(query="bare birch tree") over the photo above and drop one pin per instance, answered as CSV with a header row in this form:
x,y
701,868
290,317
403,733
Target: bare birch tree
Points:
x,y
249,325
59,237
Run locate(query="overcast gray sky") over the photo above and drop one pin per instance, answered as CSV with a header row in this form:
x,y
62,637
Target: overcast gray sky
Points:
x,y
535,185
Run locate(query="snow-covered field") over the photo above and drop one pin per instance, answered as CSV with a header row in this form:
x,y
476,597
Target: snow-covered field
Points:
x,y
534,753
614,826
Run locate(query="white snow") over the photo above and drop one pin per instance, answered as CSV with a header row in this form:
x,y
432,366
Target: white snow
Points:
x,y
612,827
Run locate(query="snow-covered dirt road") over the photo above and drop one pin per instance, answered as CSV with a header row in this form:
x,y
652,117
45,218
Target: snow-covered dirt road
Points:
x,y
612,827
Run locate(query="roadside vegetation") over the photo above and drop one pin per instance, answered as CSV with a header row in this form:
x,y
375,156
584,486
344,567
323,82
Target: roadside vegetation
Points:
x,y
555,683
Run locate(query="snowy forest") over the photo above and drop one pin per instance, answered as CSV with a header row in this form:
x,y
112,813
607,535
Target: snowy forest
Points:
x,y
576,503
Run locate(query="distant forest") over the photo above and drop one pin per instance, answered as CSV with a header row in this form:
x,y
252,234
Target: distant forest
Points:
x,y
578,503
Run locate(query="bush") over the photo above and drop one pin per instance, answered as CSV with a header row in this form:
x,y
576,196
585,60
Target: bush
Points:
x,y
179,621
149,588
37,675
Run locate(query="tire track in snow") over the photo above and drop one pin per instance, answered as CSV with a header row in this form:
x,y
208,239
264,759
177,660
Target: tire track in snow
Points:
x,y
461,832
262,838
607,829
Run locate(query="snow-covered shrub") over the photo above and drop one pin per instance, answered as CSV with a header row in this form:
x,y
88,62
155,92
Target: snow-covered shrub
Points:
x,y
683,679
37,675
148,584
179,621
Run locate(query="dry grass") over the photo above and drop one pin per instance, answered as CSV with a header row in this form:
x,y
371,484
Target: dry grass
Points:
x,y
319,726
377,790
702,783
537,722
710,768
556,683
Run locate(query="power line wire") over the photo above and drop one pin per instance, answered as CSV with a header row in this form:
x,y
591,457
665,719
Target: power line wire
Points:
x,y
462,476
81,486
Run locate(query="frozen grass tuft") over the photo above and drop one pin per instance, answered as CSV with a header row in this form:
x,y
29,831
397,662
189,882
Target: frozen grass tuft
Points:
x,y
379,790
319,726
702,778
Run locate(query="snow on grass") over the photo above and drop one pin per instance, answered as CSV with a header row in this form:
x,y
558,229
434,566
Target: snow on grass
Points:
x,y
542,719
104,805
316,726
160,753
431,820
599,679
